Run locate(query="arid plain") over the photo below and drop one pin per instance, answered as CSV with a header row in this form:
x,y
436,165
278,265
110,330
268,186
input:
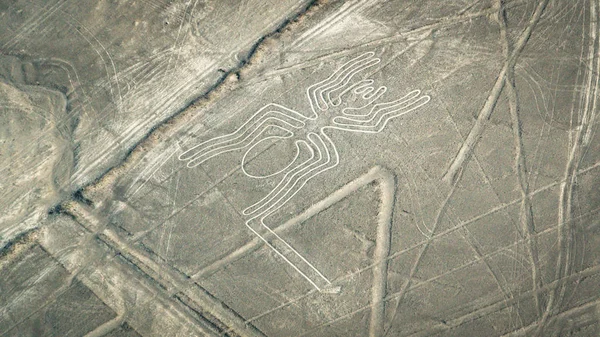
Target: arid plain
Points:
x,y
299,168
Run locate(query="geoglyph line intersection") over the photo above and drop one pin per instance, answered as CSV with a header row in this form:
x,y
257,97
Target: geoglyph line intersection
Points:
x,y
339,102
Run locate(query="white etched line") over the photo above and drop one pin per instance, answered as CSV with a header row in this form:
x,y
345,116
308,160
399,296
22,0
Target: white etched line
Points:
x,y
353,108
282,200
243,164
284,258
147,173
359,117
266,204
342,82
346,10
244,143
284,115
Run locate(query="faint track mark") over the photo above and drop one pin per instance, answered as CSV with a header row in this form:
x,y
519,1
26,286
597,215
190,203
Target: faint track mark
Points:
x,y
526,211
407,284
347,9
438,235
225,84
580,140
472,139
346,117
414,36
491,308
574,314
170,281
35,21
500,305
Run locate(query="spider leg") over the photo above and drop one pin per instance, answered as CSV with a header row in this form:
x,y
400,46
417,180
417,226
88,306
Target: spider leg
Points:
x,y
327,160
376,120
359,86
272,115
290,255
405,101
340,78
342,82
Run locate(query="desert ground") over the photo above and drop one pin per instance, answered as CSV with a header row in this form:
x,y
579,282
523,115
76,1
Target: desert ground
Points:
x,y
299,168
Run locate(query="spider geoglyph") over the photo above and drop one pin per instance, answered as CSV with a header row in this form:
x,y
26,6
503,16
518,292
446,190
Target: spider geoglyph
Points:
x,y
340,102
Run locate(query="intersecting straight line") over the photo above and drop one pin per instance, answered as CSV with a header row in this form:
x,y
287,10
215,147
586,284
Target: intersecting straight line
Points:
x,y
387,186
400,293
282,240
225,120
449,230
321,104
277,251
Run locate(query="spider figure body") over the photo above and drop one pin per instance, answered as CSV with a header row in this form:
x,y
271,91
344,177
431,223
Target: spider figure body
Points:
x,y
337,103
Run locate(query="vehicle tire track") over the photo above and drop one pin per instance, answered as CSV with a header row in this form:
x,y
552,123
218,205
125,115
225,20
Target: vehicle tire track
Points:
x,y
474,136
526,209
580,141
